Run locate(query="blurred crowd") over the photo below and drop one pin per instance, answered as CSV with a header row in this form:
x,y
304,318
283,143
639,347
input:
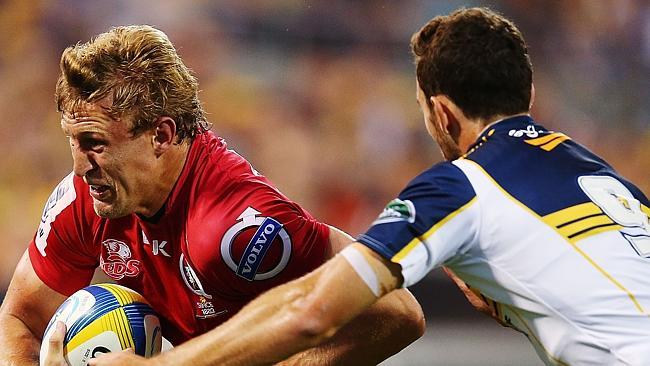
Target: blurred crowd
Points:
x,y
319,95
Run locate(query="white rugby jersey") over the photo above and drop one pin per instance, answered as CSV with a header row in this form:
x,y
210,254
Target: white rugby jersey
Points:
x,y
542,227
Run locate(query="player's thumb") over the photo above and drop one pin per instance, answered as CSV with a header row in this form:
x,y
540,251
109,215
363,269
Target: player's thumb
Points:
x,y
54,355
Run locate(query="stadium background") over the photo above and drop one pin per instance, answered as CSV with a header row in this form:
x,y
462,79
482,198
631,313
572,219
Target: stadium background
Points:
x,y
320,97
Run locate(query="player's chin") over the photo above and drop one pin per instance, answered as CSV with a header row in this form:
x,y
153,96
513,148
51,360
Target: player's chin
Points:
x,y
108,210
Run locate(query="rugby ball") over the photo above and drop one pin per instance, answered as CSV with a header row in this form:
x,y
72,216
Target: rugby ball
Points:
x,y
105,318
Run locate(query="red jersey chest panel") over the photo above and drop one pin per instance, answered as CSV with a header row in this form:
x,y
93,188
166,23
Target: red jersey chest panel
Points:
x,y
225,235
149,258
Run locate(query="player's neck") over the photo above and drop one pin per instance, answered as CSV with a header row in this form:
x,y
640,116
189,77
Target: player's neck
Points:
x,y
167,173
475,128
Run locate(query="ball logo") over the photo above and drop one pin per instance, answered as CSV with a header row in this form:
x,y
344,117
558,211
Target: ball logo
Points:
x,y
118,263
266,231
99,351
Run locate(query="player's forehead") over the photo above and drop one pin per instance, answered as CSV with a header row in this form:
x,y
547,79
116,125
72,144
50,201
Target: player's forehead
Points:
x,y
88,117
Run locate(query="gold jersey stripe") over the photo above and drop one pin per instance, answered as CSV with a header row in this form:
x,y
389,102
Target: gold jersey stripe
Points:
x,y
545,139
594,231
584,255
553,144
417,240
645,209
583,225
568,214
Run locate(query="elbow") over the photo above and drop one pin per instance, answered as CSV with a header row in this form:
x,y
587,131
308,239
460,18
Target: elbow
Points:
x,y
407,317
411,319
414,323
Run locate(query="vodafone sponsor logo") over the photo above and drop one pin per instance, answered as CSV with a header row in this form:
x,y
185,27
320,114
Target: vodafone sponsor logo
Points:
x,y
116,261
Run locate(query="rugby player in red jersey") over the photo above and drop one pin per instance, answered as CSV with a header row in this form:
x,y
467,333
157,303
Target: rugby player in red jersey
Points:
x,y
162,206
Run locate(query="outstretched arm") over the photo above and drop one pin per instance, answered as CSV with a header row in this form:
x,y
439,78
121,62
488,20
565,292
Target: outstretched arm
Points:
x,y
285,320
389,325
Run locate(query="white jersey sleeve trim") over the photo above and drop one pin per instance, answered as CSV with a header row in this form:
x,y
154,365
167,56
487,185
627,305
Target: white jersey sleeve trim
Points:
x,y
62,196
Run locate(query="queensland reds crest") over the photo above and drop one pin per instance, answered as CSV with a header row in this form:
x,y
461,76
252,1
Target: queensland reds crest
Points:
x,y
267,250
118,263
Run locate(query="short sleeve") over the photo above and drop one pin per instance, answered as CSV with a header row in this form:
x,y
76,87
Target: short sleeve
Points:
x,y
433,220
57,251
264,240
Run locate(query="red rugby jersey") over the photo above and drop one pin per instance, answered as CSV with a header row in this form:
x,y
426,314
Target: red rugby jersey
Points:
x,y
225,236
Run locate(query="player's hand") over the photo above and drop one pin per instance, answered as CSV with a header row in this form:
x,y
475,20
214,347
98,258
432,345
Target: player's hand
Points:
x,y
126,358
480,303
54,356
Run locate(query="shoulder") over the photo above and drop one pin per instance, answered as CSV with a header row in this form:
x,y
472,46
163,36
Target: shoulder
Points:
x,y
243,229
443,179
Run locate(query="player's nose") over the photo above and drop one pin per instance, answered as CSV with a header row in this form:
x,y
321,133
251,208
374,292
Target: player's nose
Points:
x,y
82,162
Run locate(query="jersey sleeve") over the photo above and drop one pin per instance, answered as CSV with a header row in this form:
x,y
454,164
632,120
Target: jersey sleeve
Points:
x,y
265,240
57,251
433,220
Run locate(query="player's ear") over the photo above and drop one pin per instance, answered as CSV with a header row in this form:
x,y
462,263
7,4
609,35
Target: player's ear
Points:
x,y
164,135
439,116
445,112
532,96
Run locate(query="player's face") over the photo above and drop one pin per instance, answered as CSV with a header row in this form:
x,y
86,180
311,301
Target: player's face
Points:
x,y
449,148
115,164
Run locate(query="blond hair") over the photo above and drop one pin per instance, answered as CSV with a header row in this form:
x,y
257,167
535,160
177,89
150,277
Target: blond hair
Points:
x,y
138,68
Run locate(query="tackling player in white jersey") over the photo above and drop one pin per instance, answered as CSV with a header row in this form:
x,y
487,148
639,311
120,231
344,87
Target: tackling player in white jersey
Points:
x,y
552,240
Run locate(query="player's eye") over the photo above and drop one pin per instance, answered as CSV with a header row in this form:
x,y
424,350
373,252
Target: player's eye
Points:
x,y
92,144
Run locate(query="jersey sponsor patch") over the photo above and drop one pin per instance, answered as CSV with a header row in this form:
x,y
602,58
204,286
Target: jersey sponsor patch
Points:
x,y
116,261
397,210
256,247
205,309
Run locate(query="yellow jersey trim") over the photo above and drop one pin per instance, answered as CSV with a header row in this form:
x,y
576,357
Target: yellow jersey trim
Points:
x,y
421,238
563,216
591,220
645,209
548,142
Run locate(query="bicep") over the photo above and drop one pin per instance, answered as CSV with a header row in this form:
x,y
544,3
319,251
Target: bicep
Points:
x,y
30,299
338,240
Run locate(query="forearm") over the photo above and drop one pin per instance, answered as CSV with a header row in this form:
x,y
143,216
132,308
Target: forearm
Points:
x,y
388,326
245,337
18,345
283,321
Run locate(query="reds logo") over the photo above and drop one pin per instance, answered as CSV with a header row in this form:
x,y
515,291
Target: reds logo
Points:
x,y
263,233
118,263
